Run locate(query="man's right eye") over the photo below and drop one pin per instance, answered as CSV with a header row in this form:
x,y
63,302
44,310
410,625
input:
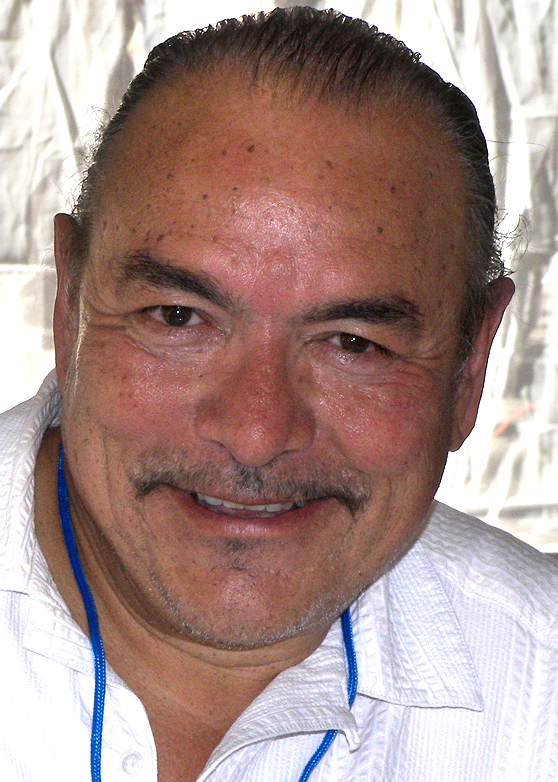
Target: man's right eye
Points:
x,y
176,316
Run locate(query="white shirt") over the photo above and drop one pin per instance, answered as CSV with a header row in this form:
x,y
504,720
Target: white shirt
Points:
x,y
457,652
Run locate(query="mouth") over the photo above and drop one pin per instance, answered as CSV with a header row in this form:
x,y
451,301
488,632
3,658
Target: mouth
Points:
x,y
239,510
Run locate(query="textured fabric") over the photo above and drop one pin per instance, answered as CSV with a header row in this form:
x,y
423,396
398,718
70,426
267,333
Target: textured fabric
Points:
x,y
457,651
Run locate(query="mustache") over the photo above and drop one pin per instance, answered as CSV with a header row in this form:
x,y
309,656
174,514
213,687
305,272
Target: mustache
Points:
x,y
251,484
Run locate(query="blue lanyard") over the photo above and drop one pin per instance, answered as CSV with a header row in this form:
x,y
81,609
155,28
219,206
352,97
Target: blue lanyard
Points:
x,y
92,621
352,681
99,655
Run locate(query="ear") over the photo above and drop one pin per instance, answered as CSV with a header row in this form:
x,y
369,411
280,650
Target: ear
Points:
x,y
471,382
65,310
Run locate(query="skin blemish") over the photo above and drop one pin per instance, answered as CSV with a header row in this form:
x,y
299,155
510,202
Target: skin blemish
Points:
x,y
224,152
393,189
235,188
380,229
251,148
329,164
204,196
170,175
160,238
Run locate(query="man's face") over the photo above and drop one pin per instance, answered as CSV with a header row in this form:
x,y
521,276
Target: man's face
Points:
x,y
259,398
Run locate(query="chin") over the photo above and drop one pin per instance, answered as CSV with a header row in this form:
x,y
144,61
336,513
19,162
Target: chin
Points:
x,y
243,619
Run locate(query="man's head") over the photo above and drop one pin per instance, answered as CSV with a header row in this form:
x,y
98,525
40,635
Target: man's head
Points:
x,y
265,375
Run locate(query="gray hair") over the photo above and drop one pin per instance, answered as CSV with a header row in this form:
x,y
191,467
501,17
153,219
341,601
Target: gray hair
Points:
x,y
339,60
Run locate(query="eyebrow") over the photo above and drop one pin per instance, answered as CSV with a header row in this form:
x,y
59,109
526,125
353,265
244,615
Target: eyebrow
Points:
x,y
144,268
375,310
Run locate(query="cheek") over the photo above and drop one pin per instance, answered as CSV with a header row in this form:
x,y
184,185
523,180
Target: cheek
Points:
x,y
128,393
389,428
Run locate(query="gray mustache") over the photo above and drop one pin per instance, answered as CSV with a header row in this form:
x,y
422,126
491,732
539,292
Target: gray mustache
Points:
x,y
250,484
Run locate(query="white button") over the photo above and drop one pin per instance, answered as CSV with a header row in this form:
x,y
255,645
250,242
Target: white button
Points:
x,y
132,763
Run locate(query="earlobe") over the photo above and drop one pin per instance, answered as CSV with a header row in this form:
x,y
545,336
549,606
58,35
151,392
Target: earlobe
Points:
x,y
472,377
64,320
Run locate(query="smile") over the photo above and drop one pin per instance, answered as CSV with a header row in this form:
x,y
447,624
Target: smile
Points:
x,y
237,509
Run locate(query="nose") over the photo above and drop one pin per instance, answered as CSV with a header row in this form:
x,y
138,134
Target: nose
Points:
x,y
257,411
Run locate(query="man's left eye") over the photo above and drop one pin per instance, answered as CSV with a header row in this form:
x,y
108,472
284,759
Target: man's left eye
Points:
x,y
352,343
175,315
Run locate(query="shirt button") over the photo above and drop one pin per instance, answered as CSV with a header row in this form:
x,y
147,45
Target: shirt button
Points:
x,y
132,763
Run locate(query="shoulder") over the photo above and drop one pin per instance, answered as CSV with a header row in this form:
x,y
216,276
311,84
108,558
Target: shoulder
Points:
x,y
21,433
24,424
488,567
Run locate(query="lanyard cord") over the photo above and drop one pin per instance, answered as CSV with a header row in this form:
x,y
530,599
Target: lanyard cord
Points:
x,y
99,655
352,681
92,621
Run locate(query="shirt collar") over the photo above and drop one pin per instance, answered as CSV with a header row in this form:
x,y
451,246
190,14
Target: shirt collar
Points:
x,y
308,698
409,644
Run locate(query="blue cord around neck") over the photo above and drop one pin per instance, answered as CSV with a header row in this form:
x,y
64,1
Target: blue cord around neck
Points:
x,y
92,621
352,681
99,655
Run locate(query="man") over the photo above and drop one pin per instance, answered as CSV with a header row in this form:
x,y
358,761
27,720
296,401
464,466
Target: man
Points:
x,y
277,295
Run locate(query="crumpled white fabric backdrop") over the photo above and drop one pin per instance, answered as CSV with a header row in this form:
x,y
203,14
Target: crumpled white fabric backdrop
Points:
x,y
64,63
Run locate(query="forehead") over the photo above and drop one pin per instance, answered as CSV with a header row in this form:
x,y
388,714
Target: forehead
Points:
x,y
266,173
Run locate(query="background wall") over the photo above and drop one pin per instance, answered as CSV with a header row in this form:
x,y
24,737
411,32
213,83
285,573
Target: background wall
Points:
x,y
65,64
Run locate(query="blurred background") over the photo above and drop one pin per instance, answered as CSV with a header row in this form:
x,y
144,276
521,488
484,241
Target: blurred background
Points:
x,y
64,65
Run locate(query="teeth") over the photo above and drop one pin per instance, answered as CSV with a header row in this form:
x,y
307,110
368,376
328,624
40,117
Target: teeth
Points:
x,y
210,500
271,508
